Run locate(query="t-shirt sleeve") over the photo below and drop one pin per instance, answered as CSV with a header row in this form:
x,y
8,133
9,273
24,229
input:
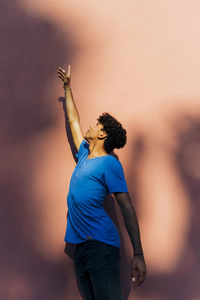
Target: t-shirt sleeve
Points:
x,y
83,149
114,177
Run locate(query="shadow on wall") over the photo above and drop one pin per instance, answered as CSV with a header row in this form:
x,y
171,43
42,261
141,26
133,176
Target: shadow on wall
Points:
x,y
31,50
183,283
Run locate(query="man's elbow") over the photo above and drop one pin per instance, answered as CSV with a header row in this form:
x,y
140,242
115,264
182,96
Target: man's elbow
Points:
x,y
123,199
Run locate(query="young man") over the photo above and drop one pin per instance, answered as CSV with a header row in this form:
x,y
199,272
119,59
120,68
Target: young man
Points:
x,y
97,174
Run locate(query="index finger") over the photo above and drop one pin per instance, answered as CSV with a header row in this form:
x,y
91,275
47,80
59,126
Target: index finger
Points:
x,y
69,71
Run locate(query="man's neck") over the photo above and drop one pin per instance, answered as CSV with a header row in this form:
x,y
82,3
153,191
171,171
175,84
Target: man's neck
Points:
x,y
96,150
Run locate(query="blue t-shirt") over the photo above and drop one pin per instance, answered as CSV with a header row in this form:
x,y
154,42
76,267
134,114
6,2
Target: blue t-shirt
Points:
x,y
91,181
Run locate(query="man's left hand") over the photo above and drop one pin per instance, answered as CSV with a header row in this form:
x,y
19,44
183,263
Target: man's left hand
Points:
x,y
138,269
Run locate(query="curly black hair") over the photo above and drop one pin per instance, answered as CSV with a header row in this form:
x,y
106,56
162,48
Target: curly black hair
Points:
x,y
116,134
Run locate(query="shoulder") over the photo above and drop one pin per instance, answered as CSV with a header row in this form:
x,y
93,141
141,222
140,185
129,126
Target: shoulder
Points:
x,y
113,159
83,149
113,163
83,144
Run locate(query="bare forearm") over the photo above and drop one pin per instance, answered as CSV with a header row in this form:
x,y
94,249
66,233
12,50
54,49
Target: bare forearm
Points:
x,y
131,223
138,267
71,110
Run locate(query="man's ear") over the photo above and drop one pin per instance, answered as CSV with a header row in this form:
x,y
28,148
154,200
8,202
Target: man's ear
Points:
x,y
102,136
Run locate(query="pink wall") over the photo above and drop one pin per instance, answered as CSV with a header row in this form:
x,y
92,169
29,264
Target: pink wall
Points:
x,y
140,61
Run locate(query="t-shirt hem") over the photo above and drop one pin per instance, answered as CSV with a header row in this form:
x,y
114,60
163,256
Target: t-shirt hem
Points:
x,y
117,245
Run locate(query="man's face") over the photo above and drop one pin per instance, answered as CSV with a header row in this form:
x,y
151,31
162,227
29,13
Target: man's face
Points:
x,y
94,131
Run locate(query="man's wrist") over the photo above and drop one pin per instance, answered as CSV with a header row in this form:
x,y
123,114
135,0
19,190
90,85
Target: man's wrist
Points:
x,y
138,251
66,88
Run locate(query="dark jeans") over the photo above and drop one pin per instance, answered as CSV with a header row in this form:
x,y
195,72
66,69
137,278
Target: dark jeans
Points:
x,y
97,271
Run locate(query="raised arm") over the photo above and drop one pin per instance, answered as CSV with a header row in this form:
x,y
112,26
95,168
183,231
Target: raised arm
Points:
x,y
71,110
